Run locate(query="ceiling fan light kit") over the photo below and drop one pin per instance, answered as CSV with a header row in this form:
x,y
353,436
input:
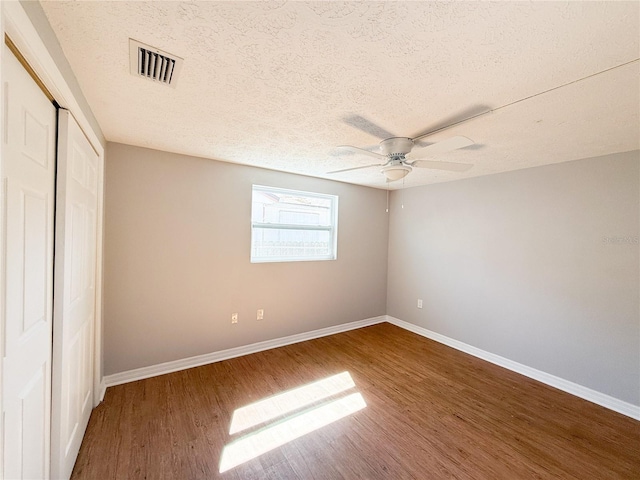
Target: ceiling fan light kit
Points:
x,y
396,172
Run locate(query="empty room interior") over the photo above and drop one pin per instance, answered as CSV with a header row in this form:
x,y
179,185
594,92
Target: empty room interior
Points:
x,y
332,240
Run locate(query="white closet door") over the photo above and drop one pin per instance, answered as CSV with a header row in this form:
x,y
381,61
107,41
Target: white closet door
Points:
x,y
75,295
28,185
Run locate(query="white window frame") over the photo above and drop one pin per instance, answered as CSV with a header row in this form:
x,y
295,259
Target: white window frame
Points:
x,y
332,228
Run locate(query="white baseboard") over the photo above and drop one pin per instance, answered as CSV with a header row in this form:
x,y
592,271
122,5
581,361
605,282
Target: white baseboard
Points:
x,y
594,396
586,393
183,364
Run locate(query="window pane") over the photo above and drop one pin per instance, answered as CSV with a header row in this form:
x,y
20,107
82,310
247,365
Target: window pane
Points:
x,y
269,242
270,207
289,225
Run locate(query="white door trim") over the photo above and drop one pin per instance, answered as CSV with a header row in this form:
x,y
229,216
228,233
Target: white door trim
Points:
x,y
17,25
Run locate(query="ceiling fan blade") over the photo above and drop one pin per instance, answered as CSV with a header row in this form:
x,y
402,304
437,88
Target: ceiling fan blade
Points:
x,y
361,123
452,121
339,152
362,151
355,168
447,145
448,166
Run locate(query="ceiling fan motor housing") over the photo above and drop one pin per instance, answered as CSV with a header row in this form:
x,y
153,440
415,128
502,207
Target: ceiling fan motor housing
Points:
x,y
396,146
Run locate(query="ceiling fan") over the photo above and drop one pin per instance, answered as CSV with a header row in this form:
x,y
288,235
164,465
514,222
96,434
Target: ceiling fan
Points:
x,y
395,164
398,155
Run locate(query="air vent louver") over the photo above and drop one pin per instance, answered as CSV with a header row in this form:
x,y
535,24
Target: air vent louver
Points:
x,y
153,64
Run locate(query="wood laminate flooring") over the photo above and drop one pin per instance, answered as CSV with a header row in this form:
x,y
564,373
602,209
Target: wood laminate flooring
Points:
x,y
431,413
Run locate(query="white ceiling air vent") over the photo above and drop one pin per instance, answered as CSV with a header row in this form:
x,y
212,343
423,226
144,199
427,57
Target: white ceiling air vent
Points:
x,y
153,64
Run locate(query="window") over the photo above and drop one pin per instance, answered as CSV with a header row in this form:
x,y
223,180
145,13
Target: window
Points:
x,y
290,226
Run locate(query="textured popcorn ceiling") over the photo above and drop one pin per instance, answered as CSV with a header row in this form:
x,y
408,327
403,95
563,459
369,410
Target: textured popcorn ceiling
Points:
x,y
271,83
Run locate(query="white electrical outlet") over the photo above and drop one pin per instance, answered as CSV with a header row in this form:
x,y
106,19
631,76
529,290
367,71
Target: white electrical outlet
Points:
x,y
419,303
234,318
260,315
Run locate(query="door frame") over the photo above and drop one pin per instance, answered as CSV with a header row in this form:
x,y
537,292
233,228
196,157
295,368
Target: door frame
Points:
x,y
17,25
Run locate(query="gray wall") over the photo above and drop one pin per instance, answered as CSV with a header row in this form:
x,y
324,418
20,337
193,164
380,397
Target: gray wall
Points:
x,y
521,265
177,248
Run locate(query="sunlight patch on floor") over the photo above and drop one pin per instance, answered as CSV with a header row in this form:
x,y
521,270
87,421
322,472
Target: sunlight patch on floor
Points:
x,y
269,438
283,403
